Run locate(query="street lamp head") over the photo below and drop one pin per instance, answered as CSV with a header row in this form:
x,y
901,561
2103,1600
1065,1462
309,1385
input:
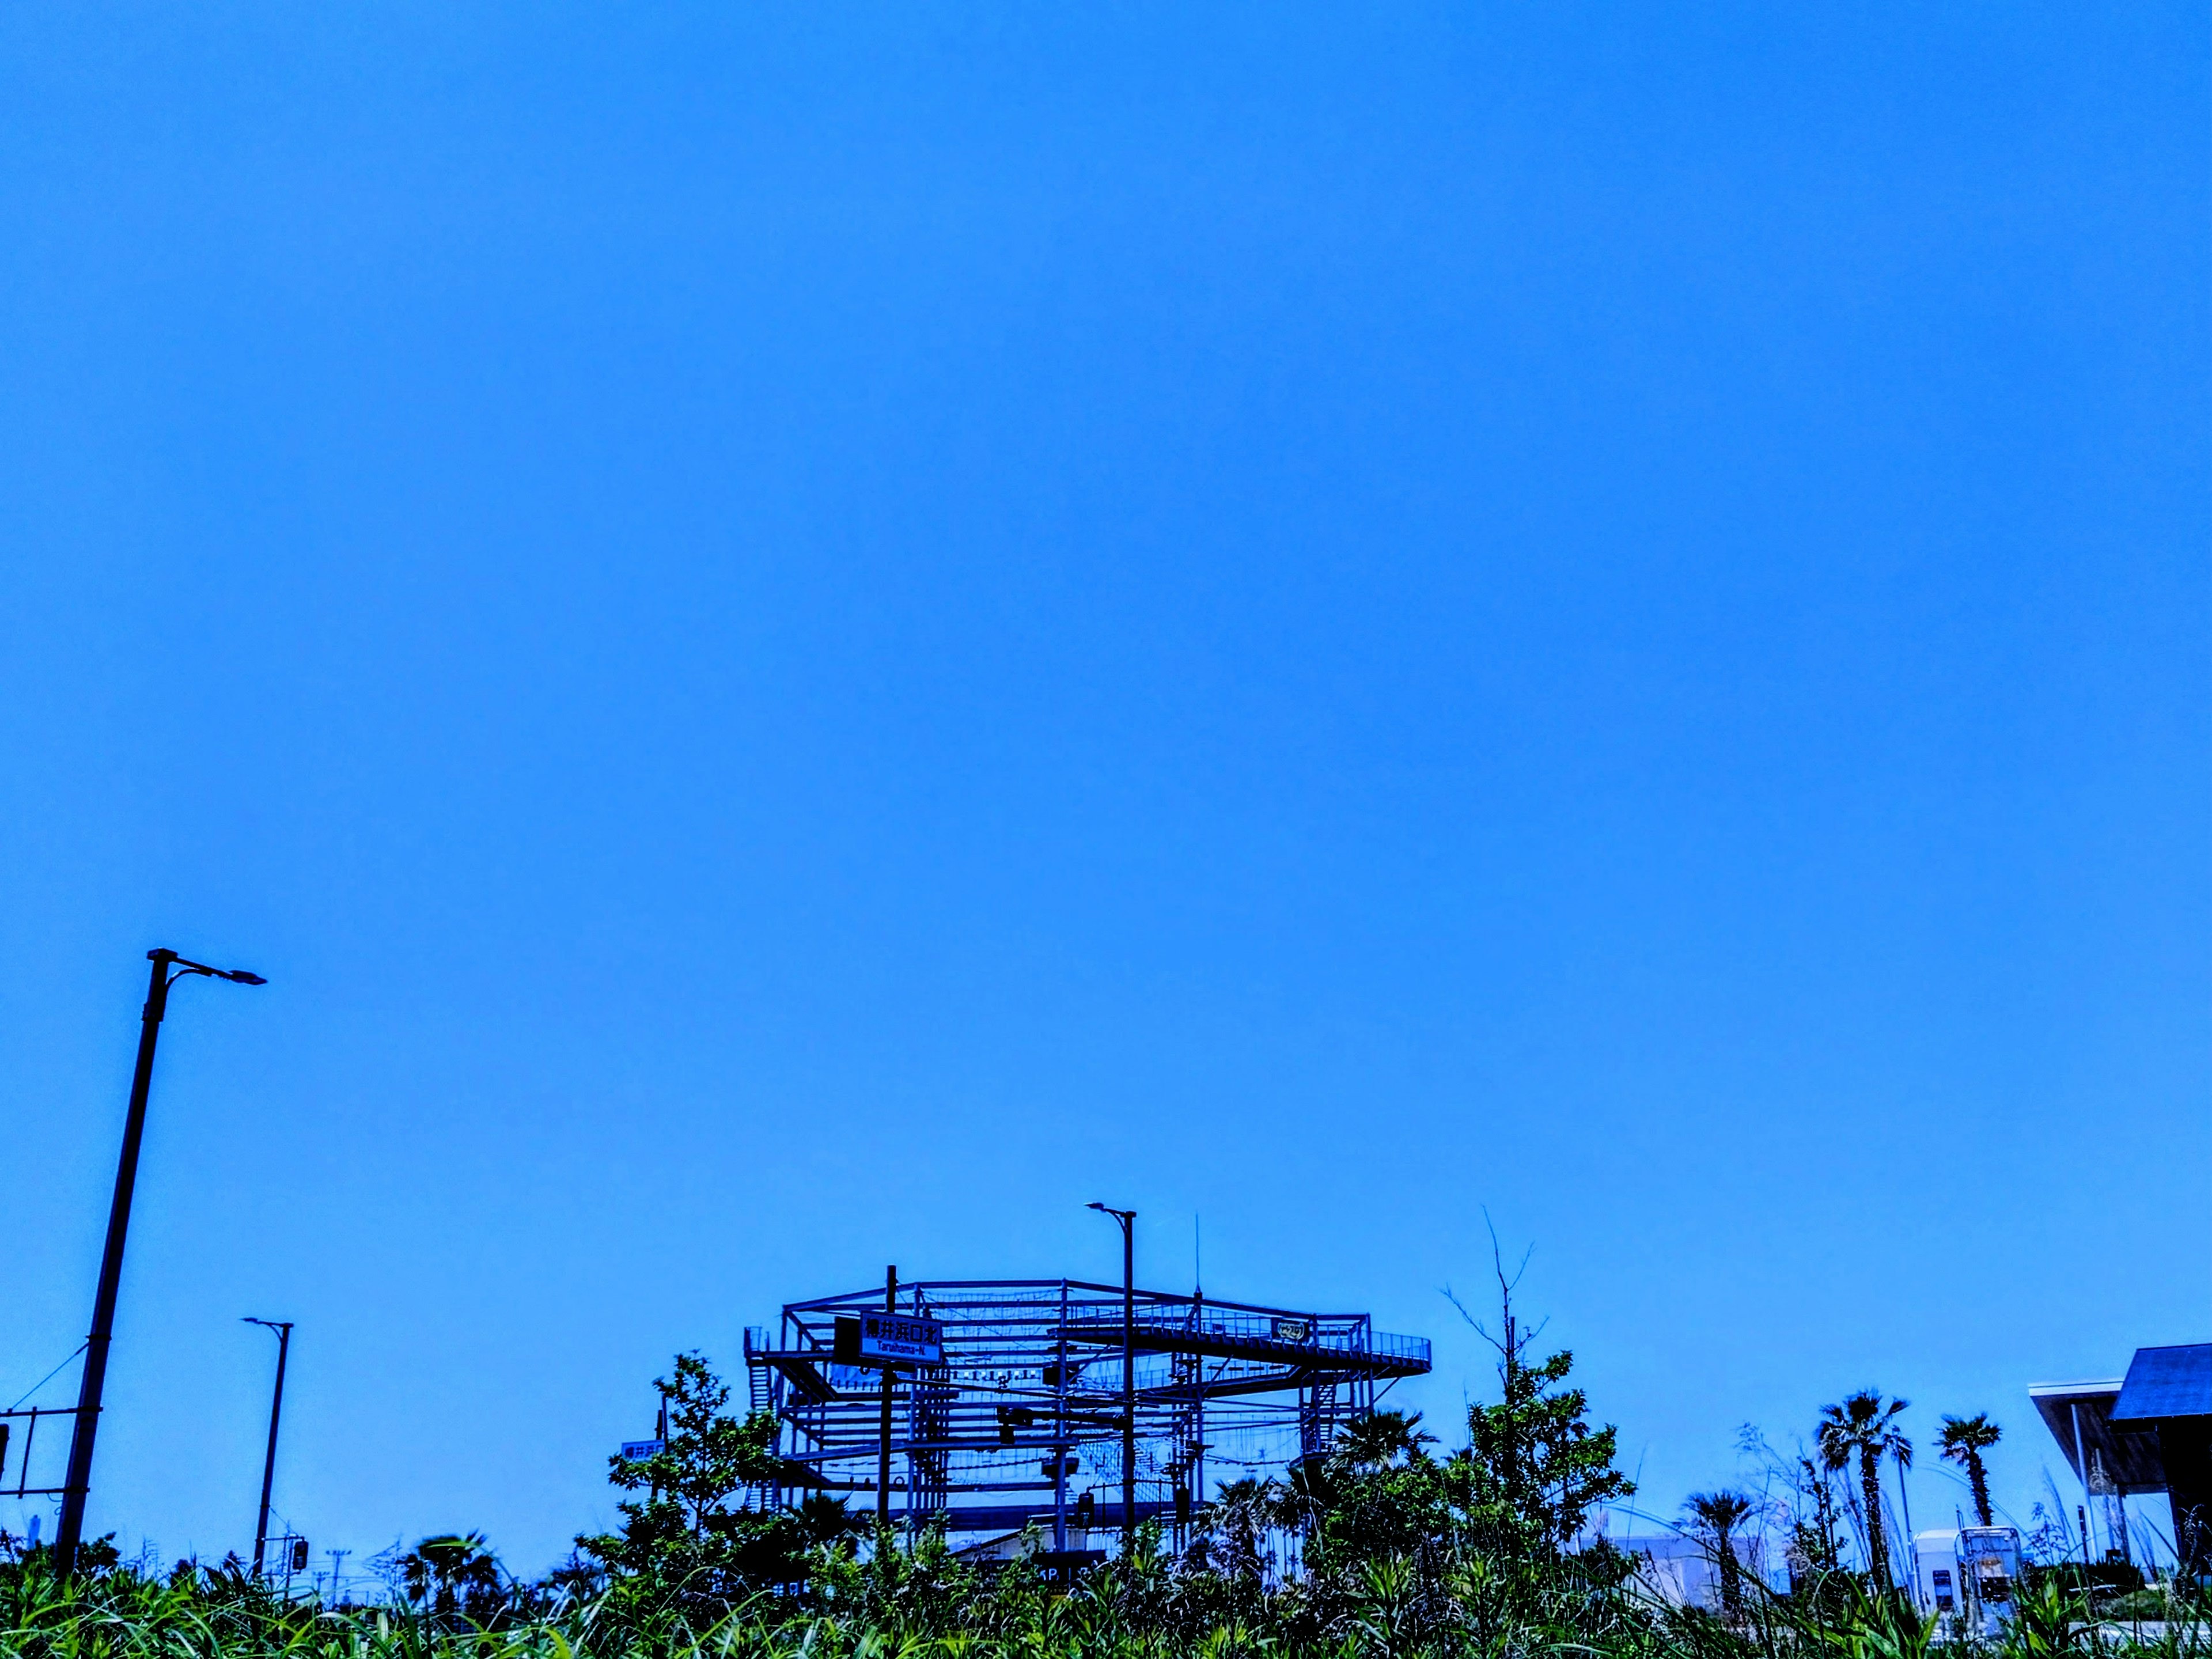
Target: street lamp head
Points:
x,y
1094,1205
186,965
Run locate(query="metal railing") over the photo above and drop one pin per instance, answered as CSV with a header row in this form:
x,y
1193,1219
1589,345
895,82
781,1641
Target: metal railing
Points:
x,y
1321,1334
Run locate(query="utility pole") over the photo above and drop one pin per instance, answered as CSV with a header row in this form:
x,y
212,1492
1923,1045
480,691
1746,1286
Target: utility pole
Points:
x,y
883,1435
283,1329
1129,1220
76,1485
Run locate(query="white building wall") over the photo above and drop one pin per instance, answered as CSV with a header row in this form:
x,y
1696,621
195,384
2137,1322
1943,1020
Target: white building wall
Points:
x,y
1682,1572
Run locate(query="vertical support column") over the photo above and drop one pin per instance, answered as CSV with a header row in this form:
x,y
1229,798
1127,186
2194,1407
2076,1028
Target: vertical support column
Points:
x,y
1059,1429
776,1397
884,1435
1198,1443
1361,1395
2082,1463
1128,1384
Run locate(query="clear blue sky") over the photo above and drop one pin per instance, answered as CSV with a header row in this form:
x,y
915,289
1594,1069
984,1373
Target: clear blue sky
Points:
x,y
802,638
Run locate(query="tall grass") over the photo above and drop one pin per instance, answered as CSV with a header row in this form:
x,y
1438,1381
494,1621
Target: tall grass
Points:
x,y
905,1606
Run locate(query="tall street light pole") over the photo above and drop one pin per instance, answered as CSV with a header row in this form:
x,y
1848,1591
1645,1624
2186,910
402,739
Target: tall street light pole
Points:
x,y
1129,1220
283,1329
78,1482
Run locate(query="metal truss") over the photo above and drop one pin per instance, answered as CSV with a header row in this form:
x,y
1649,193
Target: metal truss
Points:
x,y
1022,1422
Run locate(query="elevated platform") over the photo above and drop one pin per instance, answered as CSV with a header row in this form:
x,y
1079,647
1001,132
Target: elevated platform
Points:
x,y
1340,1344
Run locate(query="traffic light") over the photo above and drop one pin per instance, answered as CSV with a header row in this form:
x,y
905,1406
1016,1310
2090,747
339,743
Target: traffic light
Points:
x,y
299,1555
1085,1507
1182,1506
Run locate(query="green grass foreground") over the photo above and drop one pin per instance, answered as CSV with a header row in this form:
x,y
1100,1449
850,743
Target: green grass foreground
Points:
x,y
898,1604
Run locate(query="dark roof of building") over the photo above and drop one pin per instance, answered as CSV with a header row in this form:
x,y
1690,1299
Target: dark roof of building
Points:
x,y
2129,1461
2164,1383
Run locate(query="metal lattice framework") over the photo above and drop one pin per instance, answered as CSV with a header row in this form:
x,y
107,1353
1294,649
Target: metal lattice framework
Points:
x,y
1023,1419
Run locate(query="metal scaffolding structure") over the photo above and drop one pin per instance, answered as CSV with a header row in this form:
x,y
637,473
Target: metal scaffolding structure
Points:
x,y
1022,1422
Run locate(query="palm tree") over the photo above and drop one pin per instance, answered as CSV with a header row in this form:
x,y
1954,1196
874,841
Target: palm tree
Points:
x,y
1717,1515
1964,1439
1297,1500
825,1519
1863,1428
453,1571
1243,1511
1382,1438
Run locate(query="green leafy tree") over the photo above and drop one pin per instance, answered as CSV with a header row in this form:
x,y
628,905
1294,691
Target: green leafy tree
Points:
x,y
1378,1490
1520,1492
1963,1440
1534,1466
1379,1493
1863,1431
686,1536
94,1555
1816,1545
1717,1516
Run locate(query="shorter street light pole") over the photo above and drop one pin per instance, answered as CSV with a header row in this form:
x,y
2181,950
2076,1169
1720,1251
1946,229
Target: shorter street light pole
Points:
x,y
76,1485
283,1329
883,1433
1129,1220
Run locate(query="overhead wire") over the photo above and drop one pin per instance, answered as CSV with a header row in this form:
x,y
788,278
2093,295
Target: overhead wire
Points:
x,y
50,1375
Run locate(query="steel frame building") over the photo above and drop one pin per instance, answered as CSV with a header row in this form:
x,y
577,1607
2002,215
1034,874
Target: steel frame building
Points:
x,y
1022,1422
